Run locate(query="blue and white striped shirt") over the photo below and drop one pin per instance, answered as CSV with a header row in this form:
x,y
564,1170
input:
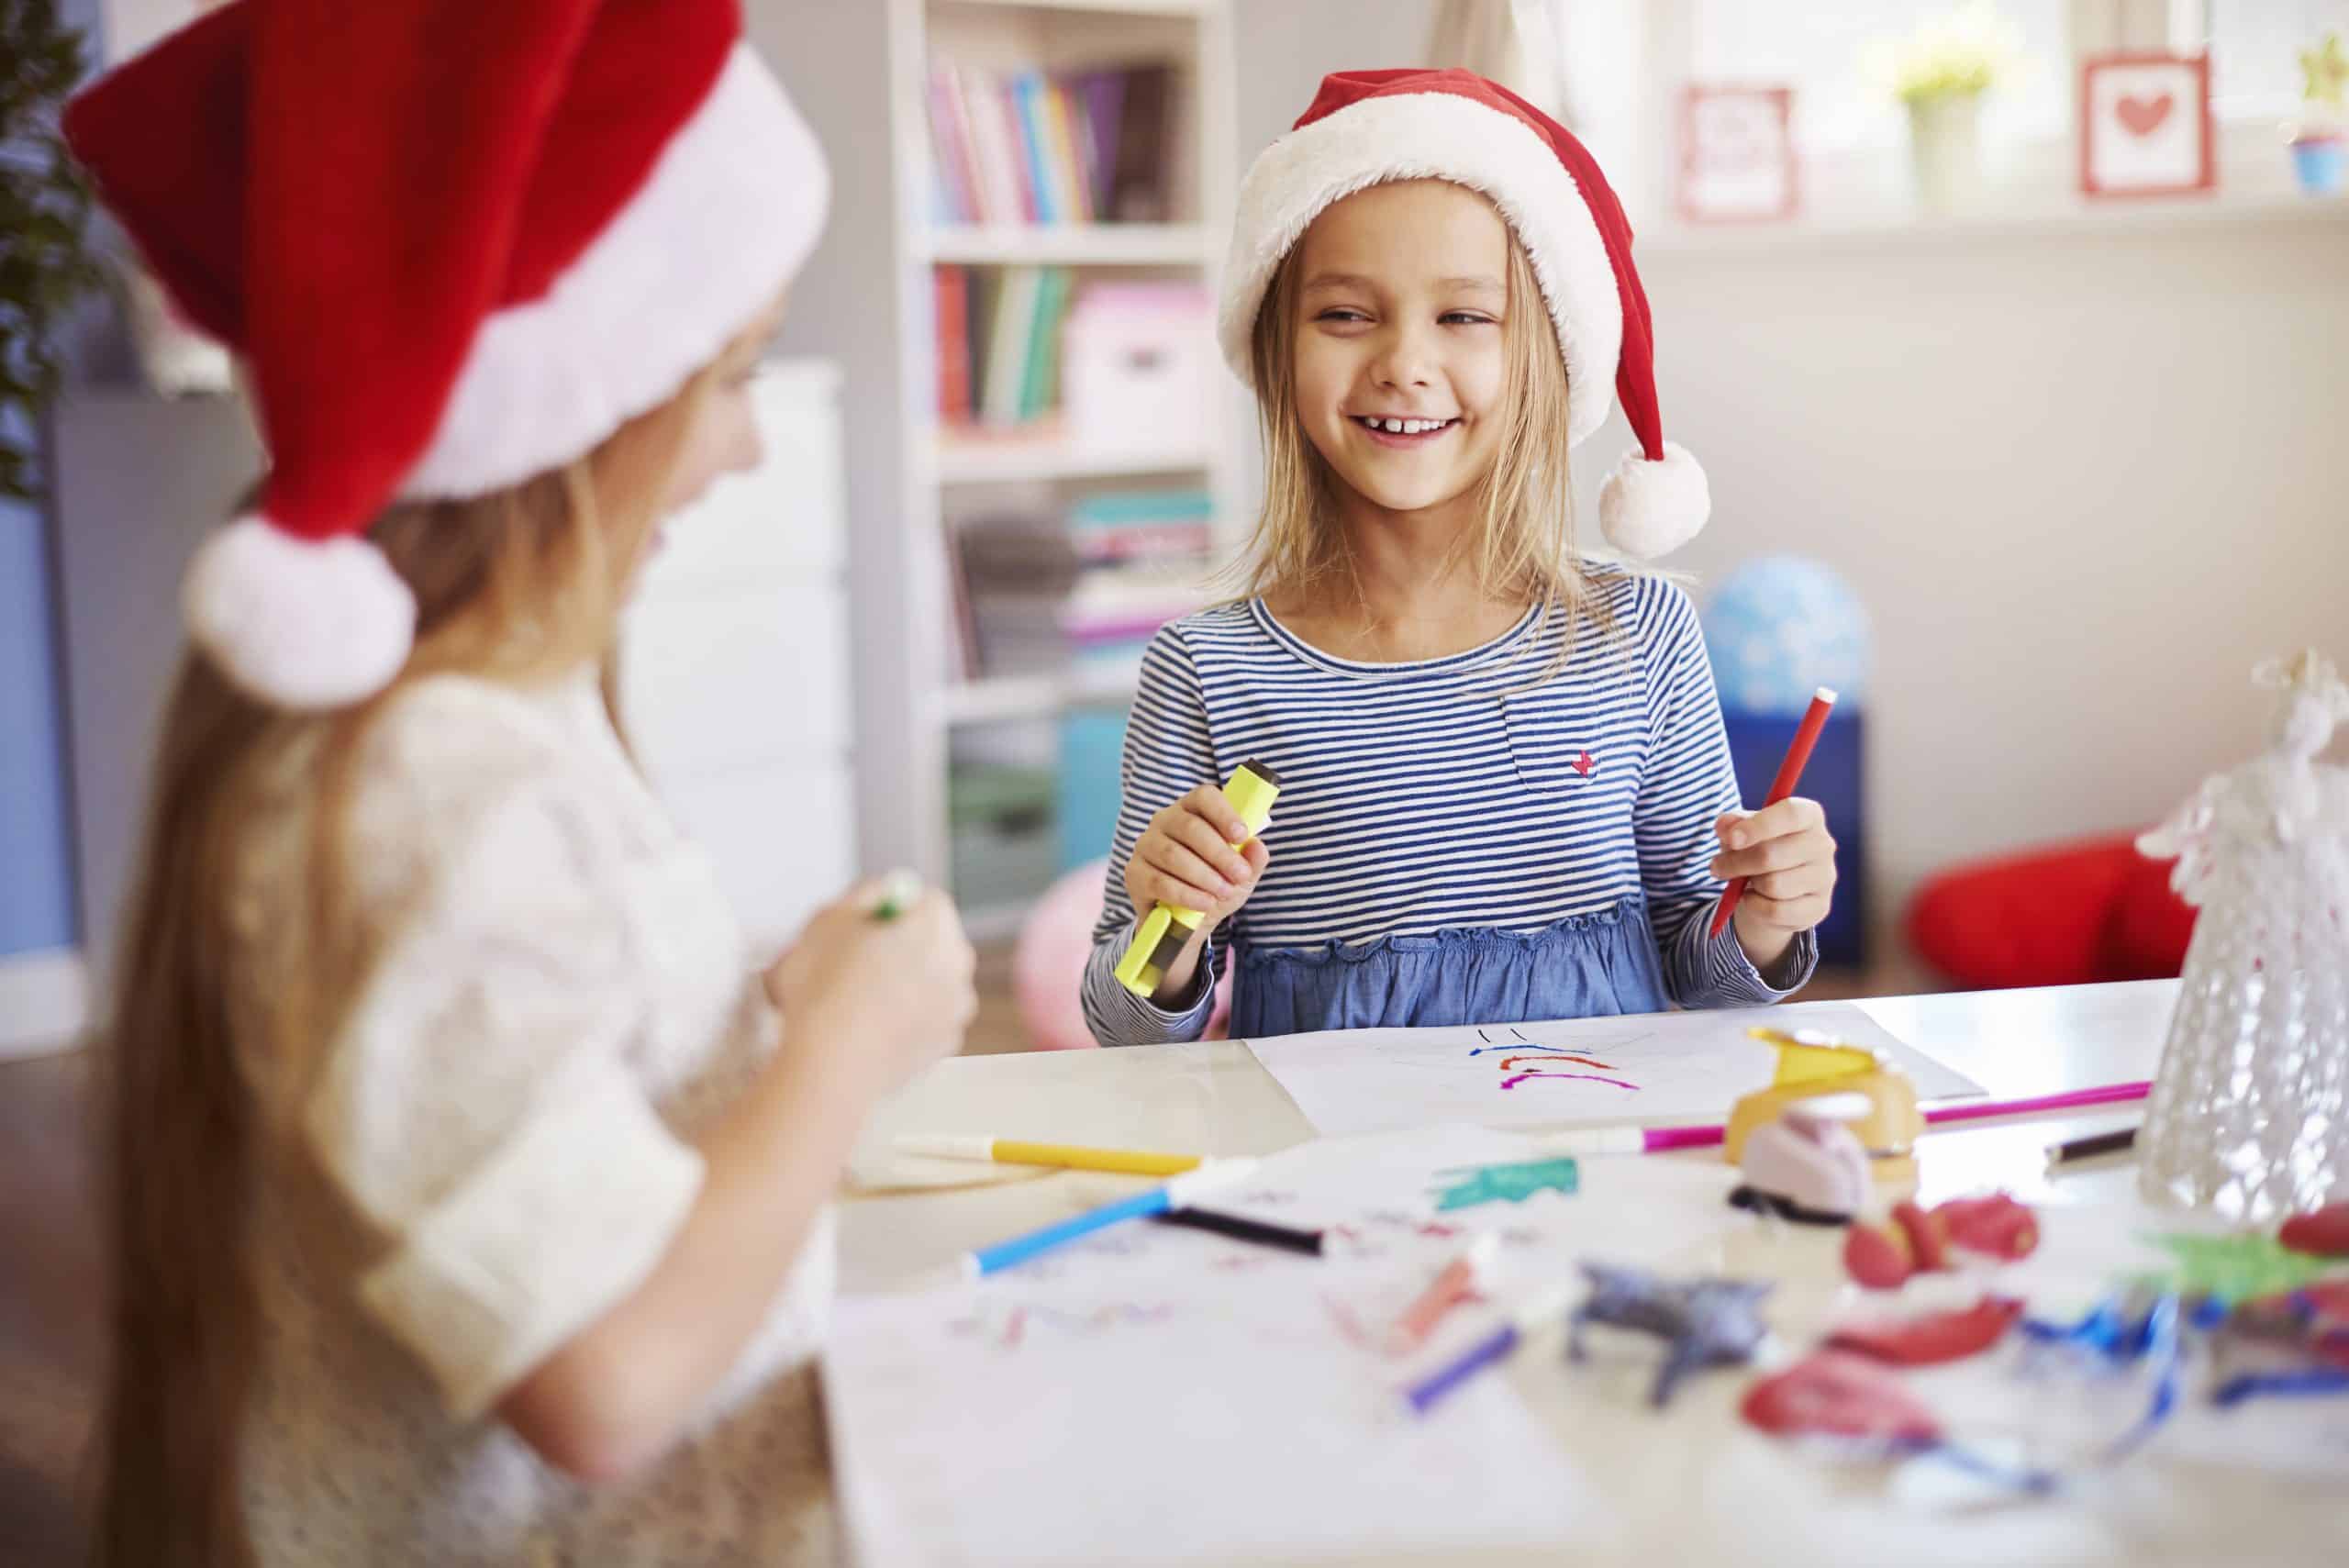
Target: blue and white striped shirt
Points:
x,y
1485,792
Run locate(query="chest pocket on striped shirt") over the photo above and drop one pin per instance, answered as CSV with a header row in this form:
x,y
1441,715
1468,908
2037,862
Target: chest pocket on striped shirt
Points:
x,y
1554,748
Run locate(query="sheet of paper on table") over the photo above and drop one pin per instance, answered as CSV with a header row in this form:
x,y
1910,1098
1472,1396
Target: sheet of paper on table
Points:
x,y
1658,1068
1155,1395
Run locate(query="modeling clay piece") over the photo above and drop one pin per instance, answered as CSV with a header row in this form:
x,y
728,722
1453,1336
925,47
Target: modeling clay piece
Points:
x,y
1703,1322
1843,1395
2324,1233
1996,1225
1934,1338
1882,1257
1470,1185
1928,1235
1806,1166
1878,1256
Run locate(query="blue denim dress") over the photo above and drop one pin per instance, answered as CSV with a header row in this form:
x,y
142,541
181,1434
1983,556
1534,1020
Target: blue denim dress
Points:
x,y
1584,966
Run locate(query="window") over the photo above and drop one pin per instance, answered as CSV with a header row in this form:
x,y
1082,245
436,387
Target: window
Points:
x,y
1817,47
2254,52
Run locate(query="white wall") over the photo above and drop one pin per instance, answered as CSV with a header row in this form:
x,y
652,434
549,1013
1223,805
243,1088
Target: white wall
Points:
x,y
2084,481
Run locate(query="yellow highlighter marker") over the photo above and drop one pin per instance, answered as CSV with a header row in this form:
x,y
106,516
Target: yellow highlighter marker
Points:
x,y
1251,790
1068,1156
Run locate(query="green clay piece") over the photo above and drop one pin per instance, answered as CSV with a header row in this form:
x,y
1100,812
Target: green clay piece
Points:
x,y
1510,1183
2236,1268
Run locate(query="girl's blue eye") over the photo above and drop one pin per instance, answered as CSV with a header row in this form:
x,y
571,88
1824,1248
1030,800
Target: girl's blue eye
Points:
x,y
1464,318
1341,313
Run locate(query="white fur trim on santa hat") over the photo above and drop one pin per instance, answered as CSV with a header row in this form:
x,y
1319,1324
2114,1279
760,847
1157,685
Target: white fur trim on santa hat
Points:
x,y
729,211
299,623
1648,509
1436,136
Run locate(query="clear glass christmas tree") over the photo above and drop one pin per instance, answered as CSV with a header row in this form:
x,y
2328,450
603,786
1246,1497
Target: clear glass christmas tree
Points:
x,y
2250,1111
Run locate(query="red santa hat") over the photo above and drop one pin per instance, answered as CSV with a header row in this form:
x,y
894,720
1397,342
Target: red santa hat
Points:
x,y
456,243
1368,127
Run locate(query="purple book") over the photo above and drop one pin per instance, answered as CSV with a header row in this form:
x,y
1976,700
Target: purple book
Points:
x,y
1101,95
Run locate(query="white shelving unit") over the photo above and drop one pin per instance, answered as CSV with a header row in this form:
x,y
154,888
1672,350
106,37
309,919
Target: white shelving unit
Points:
x,y
947,477
1076,244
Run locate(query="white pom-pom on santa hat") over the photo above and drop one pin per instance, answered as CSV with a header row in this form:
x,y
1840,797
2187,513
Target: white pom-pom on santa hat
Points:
x,y
1651,507
296,623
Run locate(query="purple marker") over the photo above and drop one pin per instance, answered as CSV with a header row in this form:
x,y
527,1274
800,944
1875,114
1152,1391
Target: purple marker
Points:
x,y
1528,1315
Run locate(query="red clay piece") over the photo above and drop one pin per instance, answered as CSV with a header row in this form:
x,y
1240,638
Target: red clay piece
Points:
x,y
2323,1233
1878,1256
1934,1338
1844,1395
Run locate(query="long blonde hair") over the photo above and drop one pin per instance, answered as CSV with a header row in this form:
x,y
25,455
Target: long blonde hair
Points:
x,y
514,586
1525,545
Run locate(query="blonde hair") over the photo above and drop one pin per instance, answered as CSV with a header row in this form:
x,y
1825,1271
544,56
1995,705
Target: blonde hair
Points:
x,y
514,586
1525,544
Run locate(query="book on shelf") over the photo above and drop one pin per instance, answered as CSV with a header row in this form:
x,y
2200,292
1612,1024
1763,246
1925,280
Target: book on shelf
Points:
x,y
1031,147
953,326
1000,335
1078,596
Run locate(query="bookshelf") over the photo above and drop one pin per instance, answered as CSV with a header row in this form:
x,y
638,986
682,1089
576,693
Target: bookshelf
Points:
x,y
953,476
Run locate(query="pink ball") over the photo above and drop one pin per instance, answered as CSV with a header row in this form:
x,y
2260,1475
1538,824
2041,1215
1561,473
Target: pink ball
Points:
x,y
1047,964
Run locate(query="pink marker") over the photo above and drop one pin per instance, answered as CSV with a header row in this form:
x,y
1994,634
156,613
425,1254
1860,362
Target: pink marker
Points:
x,y
1663,1139
1459,1282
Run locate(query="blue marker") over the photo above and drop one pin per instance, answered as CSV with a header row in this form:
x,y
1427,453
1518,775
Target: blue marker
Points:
x,y
1157,1200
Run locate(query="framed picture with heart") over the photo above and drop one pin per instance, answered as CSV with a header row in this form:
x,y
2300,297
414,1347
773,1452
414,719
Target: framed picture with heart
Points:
x,y
1737,154
2145,124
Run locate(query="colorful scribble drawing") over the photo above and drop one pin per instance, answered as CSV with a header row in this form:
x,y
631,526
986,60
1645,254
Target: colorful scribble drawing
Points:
x,y
1007,1325
1590,1077
1515,1042
1547,1061
1471,1185
1350,1326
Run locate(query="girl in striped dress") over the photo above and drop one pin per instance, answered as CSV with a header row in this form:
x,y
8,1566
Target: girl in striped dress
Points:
x,y
1506,791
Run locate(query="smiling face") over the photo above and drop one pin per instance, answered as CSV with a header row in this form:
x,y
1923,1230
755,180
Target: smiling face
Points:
x,y
1400,355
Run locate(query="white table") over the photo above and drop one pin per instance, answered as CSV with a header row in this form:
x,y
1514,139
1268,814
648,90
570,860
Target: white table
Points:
x,y
1692,1484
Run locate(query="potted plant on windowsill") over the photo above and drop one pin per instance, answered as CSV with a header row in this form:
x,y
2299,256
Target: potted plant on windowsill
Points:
x,y
1941,73
2319,150
44,210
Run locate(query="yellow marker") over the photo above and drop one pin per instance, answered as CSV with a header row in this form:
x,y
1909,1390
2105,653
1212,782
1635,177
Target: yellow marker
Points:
x,y
1251,790
1008,1151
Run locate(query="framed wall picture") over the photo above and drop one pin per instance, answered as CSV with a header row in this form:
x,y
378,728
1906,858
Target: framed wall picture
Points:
x,y
1737,154
2145,124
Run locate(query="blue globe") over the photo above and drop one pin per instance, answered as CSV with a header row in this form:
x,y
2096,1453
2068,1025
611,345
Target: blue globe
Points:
x,y
1779,628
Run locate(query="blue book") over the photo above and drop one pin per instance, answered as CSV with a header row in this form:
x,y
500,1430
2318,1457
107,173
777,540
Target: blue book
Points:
x,y
1027,93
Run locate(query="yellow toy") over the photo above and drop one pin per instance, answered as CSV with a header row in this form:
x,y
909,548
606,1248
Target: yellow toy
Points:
x,y
1252,789
1810,1065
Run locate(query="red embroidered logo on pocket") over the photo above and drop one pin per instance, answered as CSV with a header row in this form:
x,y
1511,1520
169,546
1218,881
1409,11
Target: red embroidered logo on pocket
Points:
x,y
1583,764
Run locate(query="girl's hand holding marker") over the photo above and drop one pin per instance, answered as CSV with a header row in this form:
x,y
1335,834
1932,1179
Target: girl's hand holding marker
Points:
x,y
1187,858
888,967
1788,858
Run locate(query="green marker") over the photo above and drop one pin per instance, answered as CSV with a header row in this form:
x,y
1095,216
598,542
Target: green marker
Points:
x,y
899,892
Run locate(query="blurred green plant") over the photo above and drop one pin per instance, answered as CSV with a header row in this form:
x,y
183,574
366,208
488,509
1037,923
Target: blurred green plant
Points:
x,y
45,266
1962,54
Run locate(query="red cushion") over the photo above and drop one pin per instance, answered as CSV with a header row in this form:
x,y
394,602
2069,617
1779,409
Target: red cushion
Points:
x,y
2063,916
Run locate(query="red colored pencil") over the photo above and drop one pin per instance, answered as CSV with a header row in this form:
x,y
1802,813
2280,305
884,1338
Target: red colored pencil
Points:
x,y
1823,703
